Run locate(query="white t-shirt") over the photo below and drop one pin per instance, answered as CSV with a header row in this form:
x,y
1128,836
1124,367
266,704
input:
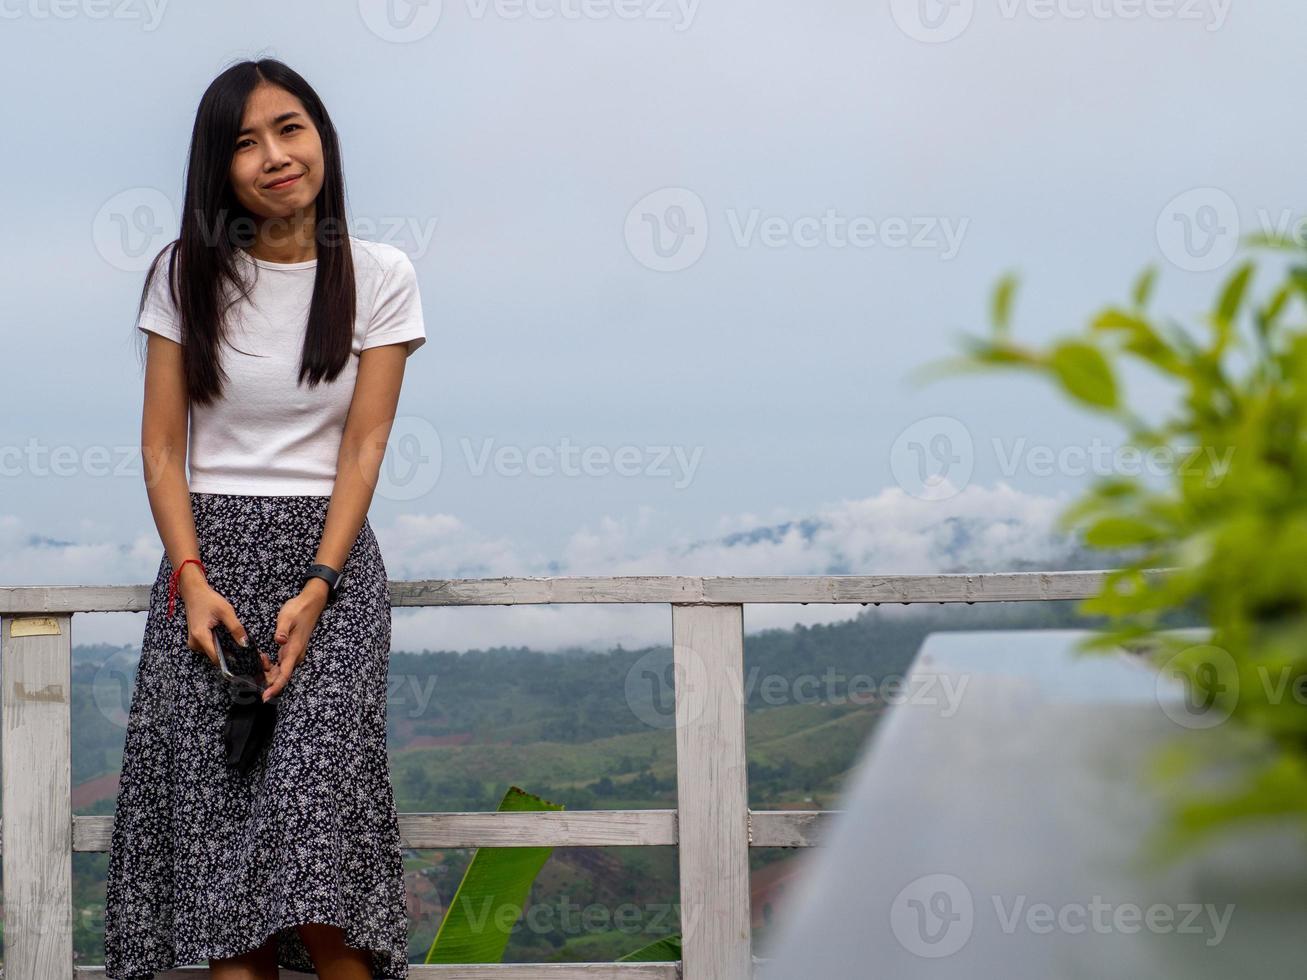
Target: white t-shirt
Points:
x,y
268,434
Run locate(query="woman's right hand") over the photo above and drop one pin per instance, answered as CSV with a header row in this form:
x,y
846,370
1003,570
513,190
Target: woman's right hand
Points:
x,y
206,609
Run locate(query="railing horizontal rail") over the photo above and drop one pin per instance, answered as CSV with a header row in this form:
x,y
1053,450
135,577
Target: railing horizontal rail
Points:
x,y
559,828
460,971
690,590
712,827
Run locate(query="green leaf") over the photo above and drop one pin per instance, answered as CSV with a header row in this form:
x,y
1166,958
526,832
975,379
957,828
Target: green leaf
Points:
x,y
1143,287
477,925
1120,532
663,950
1227,307
1116,320
1001,304
1084,372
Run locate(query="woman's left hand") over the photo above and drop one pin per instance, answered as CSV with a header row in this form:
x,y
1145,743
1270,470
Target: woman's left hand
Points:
x,y
295,623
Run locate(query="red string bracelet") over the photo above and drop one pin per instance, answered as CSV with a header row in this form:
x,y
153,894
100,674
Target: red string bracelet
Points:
x,y
172,581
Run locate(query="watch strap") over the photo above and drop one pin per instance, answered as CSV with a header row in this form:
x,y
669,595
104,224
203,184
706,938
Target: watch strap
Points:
x,y
329,575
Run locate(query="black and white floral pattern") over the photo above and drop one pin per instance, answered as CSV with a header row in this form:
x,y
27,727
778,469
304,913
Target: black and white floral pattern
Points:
x,y
207,863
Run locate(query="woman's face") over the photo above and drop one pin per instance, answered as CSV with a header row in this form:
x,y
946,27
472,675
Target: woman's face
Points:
x,y
277,141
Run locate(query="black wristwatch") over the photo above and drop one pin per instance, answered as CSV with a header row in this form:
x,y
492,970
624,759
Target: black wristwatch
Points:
x,y
328,575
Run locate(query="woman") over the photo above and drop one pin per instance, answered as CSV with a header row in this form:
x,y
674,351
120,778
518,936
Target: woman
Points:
x,y
284,340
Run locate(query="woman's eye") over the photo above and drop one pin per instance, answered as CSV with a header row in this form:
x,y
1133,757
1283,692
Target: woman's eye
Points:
x,y
288,126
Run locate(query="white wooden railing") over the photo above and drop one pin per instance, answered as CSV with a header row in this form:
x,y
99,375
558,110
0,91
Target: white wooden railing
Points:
x,y
712,825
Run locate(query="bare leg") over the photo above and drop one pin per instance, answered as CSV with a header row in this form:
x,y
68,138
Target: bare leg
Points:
x,y
257,964
331,957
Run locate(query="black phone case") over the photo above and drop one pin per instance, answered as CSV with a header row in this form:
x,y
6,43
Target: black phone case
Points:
x,y
251,721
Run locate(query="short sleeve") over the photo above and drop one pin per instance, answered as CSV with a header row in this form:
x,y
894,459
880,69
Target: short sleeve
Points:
x,y
397,312
159,312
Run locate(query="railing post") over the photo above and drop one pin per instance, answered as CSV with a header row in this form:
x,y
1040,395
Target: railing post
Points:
x,y
36,768
712,798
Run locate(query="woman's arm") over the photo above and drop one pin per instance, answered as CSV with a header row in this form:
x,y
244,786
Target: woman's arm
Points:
x,y
163,454
362,447
164,436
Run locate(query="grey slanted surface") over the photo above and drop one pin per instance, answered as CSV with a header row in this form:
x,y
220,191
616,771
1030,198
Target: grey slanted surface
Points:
x,y
996,833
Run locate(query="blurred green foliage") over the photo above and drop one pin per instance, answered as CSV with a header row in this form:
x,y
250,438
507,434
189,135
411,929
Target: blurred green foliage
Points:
x,y
1222,532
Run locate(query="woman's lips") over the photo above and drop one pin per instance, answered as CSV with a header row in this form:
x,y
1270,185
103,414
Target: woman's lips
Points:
x,y
289,182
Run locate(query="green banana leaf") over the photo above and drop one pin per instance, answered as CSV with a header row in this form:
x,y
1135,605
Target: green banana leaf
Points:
x,y
473,929
662,950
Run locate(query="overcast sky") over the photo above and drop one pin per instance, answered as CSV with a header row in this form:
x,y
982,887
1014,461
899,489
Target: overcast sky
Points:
x,y
677,260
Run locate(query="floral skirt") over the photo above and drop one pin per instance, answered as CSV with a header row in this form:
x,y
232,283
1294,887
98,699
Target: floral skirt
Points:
x,y
205,862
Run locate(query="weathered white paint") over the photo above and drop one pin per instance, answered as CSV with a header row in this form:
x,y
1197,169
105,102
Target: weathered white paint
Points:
x,y
712,793
36,765
838,589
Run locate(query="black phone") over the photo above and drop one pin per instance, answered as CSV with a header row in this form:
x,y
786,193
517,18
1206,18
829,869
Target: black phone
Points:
x,y
228,651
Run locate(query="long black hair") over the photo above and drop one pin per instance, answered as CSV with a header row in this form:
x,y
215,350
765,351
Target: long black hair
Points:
x,y
201,261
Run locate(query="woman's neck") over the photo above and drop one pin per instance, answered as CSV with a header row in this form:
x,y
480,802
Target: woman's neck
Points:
x,y
285,240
